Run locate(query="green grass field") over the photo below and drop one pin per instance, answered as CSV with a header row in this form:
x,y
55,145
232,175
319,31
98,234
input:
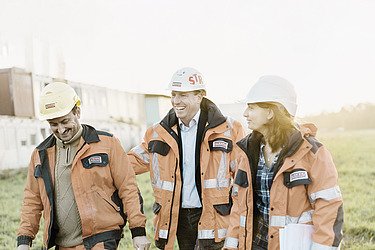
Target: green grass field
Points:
x,y
354,155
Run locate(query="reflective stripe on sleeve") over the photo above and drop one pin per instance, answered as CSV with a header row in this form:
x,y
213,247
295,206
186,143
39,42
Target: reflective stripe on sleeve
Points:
x,y
141,153
156,181
326,194
230,121
317,246
282,221
222,171
232,165
221,181
231,242
154,133
215,183
210,234
165,185
242,221
163,234
222,233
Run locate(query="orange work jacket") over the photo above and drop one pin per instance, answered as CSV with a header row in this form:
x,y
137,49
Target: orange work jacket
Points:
x,y
104,188
159,153
304,190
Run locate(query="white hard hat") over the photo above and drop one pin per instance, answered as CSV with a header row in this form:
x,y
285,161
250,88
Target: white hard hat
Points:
x,y
187,79
56,100
270,88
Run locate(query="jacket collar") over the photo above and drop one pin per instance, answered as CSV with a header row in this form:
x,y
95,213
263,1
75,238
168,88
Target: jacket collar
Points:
x,y
251,146
254,139
89,135
208,108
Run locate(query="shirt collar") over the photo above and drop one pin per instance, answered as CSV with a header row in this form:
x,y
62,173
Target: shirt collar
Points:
x,y
192,122
262,156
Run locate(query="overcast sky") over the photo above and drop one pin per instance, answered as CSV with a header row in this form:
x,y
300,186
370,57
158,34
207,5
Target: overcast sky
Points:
x,y
326,48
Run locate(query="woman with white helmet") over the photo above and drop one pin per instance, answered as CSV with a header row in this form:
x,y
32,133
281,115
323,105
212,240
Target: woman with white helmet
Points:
x,y
285,177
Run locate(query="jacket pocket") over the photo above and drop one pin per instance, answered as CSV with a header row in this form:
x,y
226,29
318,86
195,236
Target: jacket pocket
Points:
x,y
156,208
221,144
296,177
224,209
117,200
103,195
159,147
241,179
100,160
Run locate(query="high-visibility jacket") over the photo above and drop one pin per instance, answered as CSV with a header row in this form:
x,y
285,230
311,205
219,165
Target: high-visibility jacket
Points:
x,y
104,188
304,190
160,154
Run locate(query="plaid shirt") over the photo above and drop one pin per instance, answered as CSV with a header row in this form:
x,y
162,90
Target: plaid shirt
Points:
x,y
263,186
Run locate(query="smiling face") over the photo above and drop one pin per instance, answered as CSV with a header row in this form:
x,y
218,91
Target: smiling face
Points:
x,y
257,118
186,104
67,126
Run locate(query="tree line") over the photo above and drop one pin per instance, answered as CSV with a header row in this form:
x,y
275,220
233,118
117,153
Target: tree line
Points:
x,y
361,116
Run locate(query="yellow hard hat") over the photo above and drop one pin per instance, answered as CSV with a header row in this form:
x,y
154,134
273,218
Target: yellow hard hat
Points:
x,y
56,100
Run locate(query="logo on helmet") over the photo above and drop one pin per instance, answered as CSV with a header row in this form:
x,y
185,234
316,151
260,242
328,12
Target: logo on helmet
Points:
x,y
195,79
176,84
50,105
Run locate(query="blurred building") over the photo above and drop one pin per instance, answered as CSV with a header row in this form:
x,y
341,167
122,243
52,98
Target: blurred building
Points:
x,y
235,110
29,63
157,106
124,114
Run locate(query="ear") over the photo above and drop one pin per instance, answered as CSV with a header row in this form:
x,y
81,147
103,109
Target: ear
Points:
x,y
78,112
200,97
270,114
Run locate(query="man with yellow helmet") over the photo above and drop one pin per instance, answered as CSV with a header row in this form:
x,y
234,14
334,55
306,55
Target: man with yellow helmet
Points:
x,y
81,180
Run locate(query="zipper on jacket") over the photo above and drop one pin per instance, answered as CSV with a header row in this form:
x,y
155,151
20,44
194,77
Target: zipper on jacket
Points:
x,y
80,149
67,154
76,155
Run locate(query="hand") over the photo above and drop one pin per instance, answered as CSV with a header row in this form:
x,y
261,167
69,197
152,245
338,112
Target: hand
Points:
x,y
141,243
23,247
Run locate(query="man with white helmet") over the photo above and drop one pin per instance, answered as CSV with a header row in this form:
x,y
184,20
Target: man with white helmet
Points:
x,y
285,178
81,180
189,156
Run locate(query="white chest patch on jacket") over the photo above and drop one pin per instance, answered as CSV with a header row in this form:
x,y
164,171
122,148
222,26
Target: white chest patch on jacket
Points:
x,y
299,175
95,159
220,144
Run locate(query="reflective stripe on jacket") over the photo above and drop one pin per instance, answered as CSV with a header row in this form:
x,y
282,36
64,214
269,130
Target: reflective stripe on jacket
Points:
x,y
104,187
304,190
159,153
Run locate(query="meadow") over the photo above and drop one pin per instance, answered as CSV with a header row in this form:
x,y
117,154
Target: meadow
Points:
x,y
354,156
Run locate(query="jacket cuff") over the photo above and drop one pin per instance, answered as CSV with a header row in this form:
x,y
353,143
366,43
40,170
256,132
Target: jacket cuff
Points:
x,y
24,240
138,231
